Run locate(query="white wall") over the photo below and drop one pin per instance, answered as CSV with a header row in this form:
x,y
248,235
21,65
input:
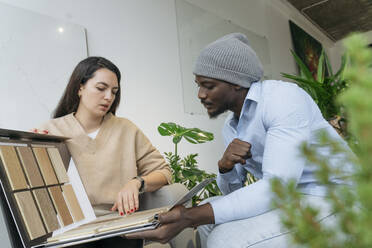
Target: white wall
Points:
x,y
338,49
141,38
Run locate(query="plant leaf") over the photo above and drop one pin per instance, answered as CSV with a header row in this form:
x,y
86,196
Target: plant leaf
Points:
x,y
197,136
328,64
320,71
177,139
340,72
302,66
167,129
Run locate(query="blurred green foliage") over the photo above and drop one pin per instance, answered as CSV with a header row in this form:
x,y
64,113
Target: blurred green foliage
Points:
x,y
352,205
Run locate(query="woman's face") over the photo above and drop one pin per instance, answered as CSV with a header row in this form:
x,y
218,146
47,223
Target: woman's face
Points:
x,y
98,93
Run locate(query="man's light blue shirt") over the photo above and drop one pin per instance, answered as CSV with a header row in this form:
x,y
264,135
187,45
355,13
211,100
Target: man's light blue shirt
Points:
x,y
276,118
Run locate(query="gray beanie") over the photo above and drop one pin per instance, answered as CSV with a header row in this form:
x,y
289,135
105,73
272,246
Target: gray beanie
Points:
x,y
230,59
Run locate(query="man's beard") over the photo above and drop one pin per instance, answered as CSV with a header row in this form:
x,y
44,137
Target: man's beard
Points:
x,y
222,109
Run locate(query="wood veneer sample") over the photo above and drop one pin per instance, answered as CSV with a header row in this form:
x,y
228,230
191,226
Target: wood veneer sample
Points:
x,y
60,204
30,215
45,165
13,168
58,164
46,208
30,167
72,202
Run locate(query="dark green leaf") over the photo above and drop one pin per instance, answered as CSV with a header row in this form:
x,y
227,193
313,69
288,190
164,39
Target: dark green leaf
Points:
x,y
302,66
328,64
320,71
340,72
195,135
177,139
167,129
192,141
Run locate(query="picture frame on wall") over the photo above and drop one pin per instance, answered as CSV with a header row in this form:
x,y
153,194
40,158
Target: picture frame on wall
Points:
x,y
306,47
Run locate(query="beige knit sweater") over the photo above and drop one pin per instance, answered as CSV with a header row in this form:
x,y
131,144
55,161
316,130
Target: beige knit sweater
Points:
x,y
119,152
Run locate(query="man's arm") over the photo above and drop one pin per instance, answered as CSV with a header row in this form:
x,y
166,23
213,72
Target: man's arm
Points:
x,y
231,176
174,221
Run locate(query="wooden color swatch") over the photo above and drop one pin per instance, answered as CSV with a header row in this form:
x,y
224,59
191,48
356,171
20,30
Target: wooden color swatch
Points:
x,y
57,162
72,202
30,167
13,168
46,208
60,204
30,215
45,165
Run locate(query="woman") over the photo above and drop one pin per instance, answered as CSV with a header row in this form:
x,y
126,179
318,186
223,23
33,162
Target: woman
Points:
x,y
114,158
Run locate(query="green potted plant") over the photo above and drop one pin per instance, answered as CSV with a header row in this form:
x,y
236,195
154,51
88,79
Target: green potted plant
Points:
x,y
185,170
324,88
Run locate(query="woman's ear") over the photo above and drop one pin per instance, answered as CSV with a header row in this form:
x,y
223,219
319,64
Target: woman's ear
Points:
x,y
80,89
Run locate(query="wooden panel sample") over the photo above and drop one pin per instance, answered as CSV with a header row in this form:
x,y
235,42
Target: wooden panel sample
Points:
x,y
30,166
72,202
30,215
46,209
58,164
60,204
45,165
13,168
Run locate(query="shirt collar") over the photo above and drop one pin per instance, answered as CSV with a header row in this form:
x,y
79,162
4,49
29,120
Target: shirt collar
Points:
x,y
254,94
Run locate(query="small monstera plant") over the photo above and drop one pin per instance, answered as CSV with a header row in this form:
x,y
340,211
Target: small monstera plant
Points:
x,y
185,170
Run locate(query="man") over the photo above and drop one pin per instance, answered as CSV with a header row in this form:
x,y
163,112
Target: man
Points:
x,y
269,120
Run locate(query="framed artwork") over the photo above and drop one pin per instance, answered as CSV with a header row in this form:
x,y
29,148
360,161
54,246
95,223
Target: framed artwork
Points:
x,y
306,47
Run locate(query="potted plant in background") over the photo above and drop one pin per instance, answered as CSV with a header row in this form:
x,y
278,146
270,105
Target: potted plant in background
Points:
x,y
185,170
324,88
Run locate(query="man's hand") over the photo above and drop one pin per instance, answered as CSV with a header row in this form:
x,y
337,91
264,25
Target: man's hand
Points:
x,y
238,151
174,221
171,224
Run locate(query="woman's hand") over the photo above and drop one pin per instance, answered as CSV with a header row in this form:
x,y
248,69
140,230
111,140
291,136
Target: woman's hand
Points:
x,y
35,130
127,199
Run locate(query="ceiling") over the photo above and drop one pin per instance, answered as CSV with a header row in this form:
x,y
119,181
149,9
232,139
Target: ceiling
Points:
x,y
337,18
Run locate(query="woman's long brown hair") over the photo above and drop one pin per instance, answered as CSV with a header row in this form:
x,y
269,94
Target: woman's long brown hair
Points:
x,y
82,73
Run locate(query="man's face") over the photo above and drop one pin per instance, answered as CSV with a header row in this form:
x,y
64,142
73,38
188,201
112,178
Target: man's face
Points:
x,y
214,94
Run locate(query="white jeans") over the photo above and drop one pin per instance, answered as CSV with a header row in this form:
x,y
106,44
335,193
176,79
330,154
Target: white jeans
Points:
x,y
260,231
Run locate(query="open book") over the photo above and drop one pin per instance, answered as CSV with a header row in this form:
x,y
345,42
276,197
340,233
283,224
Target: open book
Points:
x,y
113,225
